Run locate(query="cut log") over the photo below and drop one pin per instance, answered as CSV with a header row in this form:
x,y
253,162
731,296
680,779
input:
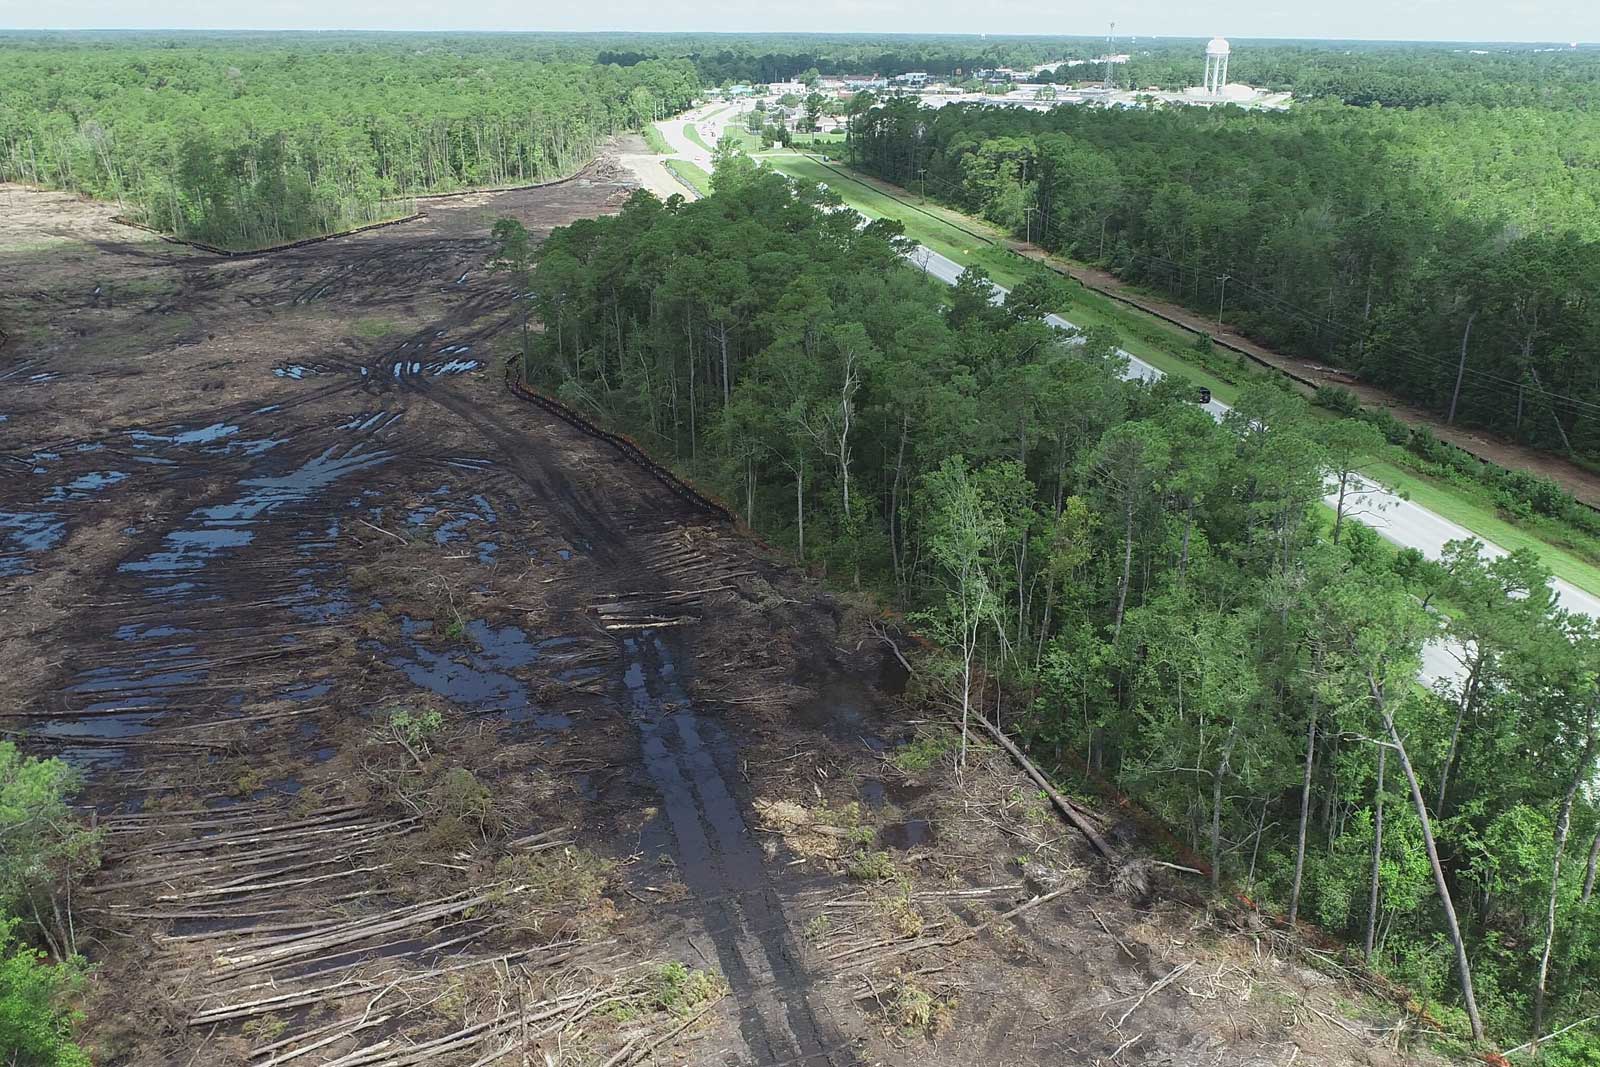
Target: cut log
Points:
x,y
1068,810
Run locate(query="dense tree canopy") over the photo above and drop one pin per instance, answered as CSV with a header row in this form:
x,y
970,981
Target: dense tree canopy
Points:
x,y
262,141
1167,588
1449,254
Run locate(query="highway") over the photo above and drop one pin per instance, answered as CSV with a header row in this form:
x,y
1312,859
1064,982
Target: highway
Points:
x,y
1396,520
1399,521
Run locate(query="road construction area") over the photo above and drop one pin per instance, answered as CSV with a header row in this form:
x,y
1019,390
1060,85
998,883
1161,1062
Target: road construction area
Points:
x,y
422,726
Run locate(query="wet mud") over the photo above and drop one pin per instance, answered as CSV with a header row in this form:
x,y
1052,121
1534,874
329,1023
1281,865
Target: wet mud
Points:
x,y
258,514
195,526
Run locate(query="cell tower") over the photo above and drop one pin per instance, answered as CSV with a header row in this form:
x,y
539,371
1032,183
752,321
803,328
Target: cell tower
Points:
x,y
1106,81
1216,66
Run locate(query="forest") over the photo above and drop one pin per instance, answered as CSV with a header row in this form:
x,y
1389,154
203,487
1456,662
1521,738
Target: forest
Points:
x,y
1448,254
249,142
1128,585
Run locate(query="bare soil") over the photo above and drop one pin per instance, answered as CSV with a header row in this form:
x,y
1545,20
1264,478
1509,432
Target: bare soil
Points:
x,y
423,728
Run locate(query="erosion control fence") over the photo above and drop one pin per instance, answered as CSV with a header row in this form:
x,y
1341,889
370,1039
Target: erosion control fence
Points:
x,y
632,452
237,254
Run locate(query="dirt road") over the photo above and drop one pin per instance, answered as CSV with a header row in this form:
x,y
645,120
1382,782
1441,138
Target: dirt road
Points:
x,y
423,727
1582,483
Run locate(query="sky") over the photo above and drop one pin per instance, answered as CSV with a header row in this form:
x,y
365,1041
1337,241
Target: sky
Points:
x,y
1421,20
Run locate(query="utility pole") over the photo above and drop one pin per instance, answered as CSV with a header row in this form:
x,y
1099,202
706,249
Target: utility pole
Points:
x,y
922,180
1027,224
1221,297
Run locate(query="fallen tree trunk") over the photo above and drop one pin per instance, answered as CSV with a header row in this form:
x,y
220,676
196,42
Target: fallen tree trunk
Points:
x,y
1068,810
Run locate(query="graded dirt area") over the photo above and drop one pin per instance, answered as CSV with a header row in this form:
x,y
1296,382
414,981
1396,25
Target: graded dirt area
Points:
x,y
422,727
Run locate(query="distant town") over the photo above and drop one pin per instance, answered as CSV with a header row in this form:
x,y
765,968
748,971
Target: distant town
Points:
x,y
1037,88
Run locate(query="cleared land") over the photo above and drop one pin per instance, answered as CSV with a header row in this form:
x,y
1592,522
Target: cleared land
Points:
x,y
423,727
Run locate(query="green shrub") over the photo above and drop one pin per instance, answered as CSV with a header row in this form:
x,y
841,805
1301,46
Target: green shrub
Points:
x,y
1571,1050
679,990
868,865
44,849
1540,494
1336,398
460,796
1397,432
415,728
921,752
35,1021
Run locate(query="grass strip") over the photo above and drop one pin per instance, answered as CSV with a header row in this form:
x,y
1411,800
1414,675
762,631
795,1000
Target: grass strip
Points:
x,y
654,140
697,179
694,136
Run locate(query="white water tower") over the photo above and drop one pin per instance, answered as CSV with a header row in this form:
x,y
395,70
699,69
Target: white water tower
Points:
x,y
1216,66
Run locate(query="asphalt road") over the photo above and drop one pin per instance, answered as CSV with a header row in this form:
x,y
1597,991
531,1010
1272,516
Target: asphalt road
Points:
x,y
1396,520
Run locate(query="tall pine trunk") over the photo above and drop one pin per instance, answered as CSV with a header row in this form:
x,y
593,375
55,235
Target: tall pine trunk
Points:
x,y
1563,827
1305,815
1127,568
1452,924
1469,697
1594,862
1461,370
1374,887
1216,804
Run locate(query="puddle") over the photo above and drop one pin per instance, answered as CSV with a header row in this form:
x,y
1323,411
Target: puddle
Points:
x,y
28,532
130,632
892,675
297,371
127,697
278,787
906,835
85,485
477,678
457,362
220,527
365,423
456,519
218,433
18,370
203,436
842,711
453,366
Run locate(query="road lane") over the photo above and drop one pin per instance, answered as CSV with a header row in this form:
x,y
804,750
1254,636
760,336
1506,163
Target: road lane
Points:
x,y
1399,521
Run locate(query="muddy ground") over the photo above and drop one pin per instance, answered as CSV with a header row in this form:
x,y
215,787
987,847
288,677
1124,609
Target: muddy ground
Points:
x,y
421,727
